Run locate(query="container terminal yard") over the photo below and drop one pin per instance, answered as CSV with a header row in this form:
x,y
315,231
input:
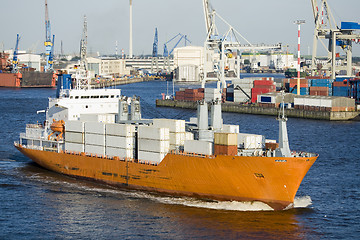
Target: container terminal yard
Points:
x,y
317,87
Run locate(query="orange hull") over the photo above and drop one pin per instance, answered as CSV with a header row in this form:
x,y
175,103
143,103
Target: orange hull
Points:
x,y
271,180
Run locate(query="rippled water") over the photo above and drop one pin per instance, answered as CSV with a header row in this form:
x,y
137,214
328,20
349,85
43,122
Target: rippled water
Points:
x,y
38,204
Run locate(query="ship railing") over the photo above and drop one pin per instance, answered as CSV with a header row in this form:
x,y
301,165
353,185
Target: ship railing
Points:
x,y
116,158
36,125
183,153
302,154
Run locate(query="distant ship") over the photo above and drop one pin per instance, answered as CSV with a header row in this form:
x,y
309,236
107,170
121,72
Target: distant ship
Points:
x,y
25,78
99,135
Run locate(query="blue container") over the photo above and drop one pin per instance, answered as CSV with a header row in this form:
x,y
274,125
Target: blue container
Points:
x,y
303,91
230,99
340,91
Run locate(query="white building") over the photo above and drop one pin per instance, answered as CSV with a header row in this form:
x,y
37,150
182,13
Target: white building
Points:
x,y
189,63
109,66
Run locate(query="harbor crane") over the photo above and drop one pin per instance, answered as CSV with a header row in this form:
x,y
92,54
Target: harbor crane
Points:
x,y
154,59
219,49
167,54
48,43
343,37
83,46
15,61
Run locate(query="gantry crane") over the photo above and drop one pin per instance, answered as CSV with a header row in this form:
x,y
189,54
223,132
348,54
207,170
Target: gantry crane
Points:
x,y
15,61
223,46
326,28
48,43
154,59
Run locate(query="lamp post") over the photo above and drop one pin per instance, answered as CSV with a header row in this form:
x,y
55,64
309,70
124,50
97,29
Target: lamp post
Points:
x,y
298,22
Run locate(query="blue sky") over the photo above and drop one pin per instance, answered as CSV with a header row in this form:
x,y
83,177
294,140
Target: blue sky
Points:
x,y
260,21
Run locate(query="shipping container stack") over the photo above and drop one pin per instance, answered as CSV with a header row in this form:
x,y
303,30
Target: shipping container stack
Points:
x,y
120,140
153,143
242,86
340,87
176,131
212,93
95,138
291,84
265,85
74,136
225,143
320,86
190,94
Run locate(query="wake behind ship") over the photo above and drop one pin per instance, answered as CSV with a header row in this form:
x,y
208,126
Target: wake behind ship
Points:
x,y
98,134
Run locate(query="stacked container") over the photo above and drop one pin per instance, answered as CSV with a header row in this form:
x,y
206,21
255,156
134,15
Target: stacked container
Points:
x,y
340,88
198,147
225,143
304,86
74,136
320,86
176,131
153,143
262,86
246,85
120,140
250,141
95,138
190,94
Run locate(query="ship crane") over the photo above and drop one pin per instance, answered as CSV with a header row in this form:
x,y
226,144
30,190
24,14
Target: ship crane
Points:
x,y
224,46
154,59
15,61
326,28
48,43
167,54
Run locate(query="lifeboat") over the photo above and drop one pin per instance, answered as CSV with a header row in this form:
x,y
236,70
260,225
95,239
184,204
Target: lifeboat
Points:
x,y
57,127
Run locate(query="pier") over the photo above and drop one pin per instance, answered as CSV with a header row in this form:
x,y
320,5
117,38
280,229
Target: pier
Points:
x,y
116,82
255,109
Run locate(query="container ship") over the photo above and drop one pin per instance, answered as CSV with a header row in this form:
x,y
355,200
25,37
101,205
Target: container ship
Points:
x,y
26,77
99,135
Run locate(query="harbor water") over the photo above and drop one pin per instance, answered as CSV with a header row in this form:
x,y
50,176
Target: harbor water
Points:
x,y
39,204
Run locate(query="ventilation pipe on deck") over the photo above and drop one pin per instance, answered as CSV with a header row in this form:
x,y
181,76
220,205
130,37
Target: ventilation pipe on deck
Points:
x,y
135,108
123,114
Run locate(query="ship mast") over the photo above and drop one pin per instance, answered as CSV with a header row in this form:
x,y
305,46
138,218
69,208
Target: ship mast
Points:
x,y
284,149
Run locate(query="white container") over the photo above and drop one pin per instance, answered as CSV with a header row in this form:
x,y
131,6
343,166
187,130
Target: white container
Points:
x,y
74,147
177,138
74,137
250,141
230,128
326,102
150,132
94,149
74,126
104,118
152,157
119,152
207,135
95,127
199,147
94,139
115,129
173,125
193,120
150,145
119,142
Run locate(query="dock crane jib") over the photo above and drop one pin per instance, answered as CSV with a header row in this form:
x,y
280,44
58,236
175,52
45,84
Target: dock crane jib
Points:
x,y
48,43
15,61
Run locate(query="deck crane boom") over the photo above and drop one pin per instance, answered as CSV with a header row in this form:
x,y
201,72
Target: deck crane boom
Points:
x,y
15,61
48,43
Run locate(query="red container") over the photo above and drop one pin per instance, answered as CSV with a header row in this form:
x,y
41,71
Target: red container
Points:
x,y
256,91
225,150
263,83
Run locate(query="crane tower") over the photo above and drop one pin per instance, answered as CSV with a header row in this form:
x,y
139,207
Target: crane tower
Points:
x,y
83,46
49,45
